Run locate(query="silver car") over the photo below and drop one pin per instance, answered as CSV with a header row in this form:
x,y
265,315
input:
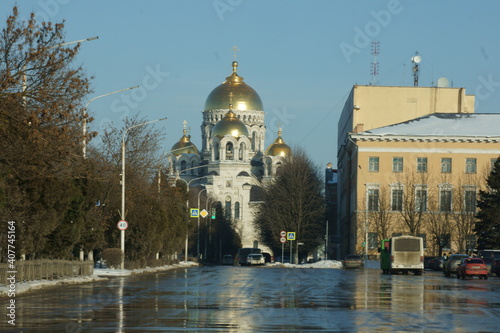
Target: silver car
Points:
x,y
353,261
255,259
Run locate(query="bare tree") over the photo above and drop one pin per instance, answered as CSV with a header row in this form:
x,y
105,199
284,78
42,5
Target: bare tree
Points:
x,y
464,207
293,202
380,220
410,206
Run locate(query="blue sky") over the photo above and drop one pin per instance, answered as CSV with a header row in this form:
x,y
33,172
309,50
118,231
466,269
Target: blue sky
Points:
x,y
302,57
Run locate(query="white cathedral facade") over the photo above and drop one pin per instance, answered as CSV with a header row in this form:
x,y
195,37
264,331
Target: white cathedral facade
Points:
x,y
233,162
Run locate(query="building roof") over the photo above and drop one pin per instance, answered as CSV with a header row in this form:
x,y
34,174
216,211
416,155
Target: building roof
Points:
x,y
443,125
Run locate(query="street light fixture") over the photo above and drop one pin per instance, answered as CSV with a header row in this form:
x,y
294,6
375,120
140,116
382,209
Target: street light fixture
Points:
x,y
198,241
122,213
52,47
187,207
84,125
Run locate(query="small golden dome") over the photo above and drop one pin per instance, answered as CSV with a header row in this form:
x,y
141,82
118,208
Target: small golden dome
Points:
x,y
243,96
278,147
230,125
184,145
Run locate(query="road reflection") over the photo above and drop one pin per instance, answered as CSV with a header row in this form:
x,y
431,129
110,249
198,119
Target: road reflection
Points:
x,y
251,299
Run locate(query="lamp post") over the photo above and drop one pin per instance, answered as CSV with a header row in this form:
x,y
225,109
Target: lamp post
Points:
x,y
366,215
122,213
84,125
187,207
198,242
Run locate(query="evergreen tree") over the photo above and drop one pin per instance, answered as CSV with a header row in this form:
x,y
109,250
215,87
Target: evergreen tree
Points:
x,y
487,227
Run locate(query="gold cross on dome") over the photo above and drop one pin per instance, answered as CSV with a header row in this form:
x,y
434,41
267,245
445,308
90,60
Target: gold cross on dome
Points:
x,y
235,49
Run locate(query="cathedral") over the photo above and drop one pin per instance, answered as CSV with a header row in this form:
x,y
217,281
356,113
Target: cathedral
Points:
x,y
233,163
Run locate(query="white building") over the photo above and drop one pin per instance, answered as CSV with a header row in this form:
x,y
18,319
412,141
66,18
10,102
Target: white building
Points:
x,y
233,163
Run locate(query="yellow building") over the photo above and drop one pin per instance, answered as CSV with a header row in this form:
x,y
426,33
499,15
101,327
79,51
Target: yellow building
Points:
x,y
411,160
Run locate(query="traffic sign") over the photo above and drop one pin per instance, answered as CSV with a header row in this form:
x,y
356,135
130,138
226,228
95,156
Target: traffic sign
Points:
x,y
122,225
204,213
283,234
283,239
290,235
195,212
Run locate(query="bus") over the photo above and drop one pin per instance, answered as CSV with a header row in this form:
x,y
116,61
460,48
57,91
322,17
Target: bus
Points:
x,y
488,256
243,253
402,254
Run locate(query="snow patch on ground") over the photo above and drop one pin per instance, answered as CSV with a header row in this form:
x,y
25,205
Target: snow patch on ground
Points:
x,y
99,275
318,264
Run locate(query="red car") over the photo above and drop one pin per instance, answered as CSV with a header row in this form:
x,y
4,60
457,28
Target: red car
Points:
x,y
471,267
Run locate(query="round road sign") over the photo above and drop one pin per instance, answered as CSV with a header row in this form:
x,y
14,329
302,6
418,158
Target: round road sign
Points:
x,y
283,233
122,225
283,239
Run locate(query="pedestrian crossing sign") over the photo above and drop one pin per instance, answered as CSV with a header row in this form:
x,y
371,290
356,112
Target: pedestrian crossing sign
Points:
x,y
290,235
195,212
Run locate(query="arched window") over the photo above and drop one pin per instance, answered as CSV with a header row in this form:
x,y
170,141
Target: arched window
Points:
x,y
278,168
228,208
236,210
242,150
183,166
229,151
216,151
193,164
254,138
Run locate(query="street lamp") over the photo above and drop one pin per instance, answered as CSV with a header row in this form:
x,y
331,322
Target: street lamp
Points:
x,y
198,242
122,213
76,41
366,215
187,207
52,47
84,125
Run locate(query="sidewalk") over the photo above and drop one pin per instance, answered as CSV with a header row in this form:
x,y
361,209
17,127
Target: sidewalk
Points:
x,y
99,275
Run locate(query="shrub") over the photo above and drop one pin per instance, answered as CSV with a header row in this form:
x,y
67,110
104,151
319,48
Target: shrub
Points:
x,y
113,257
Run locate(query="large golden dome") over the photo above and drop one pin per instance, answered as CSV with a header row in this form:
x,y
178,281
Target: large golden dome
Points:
x,y
278,147
243,97
229,125
184,145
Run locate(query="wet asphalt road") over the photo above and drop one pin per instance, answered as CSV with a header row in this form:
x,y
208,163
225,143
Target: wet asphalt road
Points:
x,y
264,299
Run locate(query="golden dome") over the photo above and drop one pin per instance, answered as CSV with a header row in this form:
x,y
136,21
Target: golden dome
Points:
x,y
243,96
184,145
230,125
279,147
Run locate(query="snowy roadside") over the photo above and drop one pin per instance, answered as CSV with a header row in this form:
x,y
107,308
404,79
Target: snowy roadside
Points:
x,y
99,275
322,264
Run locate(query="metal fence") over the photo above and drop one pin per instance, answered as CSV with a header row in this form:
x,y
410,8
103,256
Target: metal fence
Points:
x,y
30,270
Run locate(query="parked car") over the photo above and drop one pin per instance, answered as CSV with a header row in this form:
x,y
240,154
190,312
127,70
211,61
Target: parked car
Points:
x,y
495,267
255,259
450,265
436,264
470,267
353,261
227,259
268,257
101,264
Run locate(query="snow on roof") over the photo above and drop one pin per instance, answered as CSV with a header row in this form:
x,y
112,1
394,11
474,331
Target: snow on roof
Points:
x,y
445,124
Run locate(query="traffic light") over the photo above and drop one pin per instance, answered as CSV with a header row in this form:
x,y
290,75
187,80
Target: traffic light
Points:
x,y
213,213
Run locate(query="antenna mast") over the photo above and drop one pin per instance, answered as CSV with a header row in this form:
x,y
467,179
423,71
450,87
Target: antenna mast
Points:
x,y
375,52
415,60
